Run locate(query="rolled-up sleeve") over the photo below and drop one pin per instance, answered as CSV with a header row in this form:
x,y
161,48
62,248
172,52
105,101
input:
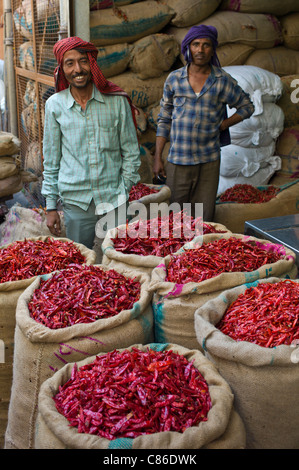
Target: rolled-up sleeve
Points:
x,y
237,98
165,115
129,147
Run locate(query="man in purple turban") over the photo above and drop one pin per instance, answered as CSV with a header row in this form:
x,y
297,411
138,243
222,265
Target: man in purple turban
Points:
x,y
193,117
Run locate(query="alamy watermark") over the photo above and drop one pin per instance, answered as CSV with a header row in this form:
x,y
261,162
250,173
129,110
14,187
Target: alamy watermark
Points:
x,y
2,352
295,352
295,93
186,220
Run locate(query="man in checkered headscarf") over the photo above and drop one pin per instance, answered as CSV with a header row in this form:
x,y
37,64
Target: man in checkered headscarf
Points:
x,y
90,147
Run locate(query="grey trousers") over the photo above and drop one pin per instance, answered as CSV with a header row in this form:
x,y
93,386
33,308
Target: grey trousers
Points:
x,y
194,184
81,226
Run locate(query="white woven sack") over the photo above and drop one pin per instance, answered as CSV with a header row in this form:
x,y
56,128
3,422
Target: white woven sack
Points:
x,y
261,85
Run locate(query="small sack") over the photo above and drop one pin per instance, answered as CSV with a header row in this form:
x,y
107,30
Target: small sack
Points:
x,y
222,430
40,351
234,215
265,381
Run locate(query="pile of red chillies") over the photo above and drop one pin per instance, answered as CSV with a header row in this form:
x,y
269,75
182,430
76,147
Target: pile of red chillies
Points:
x,y
170,234
82,294
140,190
267,315
130,393
28,258
246,193
219,256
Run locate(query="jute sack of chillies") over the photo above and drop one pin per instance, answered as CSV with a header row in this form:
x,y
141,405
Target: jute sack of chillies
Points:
x,y
157,193
10,291
264,380
114,258
234,215
220,427
174,303
40,351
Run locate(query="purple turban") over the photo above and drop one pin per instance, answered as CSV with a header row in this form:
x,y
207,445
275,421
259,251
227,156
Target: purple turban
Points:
x,y
200,31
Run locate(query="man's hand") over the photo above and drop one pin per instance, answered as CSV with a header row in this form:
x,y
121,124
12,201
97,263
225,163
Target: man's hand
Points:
x,y
53,223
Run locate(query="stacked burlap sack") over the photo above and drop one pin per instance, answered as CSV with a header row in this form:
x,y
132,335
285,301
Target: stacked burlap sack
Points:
x,y
40,351
10,170
9,295
264,380
222,430
254,33
234,215
174,304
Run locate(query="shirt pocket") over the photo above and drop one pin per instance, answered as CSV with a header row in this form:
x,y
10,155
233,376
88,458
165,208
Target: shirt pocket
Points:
x,y
109,137
179,103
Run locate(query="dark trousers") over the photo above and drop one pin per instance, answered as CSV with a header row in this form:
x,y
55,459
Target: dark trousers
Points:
x,y
194,184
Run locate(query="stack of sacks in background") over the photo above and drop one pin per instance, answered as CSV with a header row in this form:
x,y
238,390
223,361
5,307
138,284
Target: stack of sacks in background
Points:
x,y
282,57
12,176
136,53
250,158
253,32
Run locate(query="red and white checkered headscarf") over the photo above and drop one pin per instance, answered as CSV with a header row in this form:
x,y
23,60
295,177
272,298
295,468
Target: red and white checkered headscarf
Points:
x,y
102,84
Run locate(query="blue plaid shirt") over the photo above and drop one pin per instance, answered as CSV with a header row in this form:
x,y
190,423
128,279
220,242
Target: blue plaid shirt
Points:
x,y
191,122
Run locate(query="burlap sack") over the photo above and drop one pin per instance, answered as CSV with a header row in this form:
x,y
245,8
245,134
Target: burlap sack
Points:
x,y
142,19
9,295
143,93
188,14
11,185
174,304
257,30
265,381
114,59
279,60
9,144
8,167
233,54
287,147
113,258
276,7
40,351
222,430
22,222
153,55
234,215
162,196
289,100
290,30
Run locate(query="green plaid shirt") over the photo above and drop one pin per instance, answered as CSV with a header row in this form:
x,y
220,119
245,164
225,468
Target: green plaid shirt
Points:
x,y
90,154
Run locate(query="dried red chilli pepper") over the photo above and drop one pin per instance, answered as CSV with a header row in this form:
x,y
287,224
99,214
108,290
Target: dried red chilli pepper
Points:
x,y
140,190
246,193
82,294
131,393
171,233
267,315
28,258
219,256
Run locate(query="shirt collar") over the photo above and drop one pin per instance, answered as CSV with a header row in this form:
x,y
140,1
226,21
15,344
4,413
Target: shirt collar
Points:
x,y
96,94
215,71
